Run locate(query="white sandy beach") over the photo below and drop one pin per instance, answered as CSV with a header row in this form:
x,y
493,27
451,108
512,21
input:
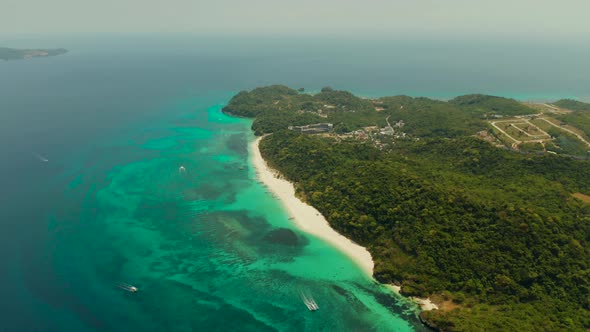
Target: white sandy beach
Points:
x,y
310,220
307,217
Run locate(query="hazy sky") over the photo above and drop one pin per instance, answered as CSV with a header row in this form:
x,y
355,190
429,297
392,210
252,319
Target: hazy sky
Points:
x,y
537,19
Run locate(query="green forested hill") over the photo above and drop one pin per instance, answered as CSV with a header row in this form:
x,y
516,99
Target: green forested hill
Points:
x,y
496,237
498,233
432,118
572,105
490,105
277,106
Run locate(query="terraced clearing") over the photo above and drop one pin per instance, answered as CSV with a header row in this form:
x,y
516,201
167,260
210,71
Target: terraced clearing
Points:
x,y
520,130
541,133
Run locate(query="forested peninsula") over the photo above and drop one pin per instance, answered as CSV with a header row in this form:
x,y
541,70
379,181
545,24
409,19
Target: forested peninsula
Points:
x,y
19,54
481,203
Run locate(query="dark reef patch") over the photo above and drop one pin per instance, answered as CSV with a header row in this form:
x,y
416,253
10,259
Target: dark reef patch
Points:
x,y
236,143
283,236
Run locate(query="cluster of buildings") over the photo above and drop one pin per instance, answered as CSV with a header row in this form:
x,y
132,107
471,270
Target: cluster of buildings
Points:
x,y
380,137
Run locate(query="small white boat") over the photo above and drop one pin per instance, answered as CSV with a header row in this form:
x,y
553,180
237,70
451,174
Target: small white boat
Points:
x,y
127,287
181,169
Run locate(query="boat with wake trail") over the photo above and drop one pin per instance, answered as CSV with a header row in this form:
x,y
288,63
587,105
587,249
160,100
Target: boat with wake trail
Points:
x,y
309,302
128,287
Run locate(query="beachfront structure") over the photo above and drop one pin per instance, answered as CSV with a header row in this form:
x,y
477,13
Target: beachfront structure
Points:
x,y
316,128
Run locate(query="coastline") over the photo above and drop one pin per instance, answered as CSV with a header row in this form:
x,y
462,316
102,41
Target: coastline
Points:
x,y
305,216
311,221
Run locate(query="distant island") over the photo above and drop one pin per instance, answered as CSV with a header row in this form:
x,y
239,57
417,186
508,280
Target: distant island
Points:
x,y
20,54
480,203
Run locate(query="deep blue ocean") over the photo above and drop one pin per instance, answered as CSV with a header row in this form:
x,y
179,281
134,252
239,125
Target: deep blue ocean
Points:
x,y
210,249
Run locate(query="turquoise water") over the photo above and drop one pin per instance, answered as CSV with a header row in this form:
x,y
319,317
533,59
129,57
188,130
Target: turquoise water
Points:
x,y
209,248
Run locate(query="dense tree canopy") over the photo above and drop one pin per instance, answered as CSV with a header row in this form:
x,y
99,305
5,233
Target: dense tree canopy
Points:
x,y
432,118
488,227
